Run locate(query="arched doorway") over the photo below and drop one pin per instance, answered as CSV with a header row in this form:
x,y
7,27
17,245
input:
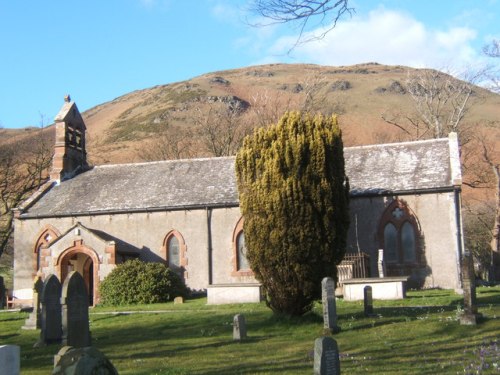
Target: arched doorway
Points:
x,y
84,261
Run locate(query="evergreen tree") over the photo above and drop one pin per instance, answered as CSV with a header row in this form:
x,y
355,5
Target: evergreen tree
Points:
x,y
294,196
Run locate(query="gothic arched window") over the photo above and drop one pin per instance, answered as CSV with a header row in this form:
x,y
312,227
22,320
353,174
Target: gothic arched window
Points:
x,y
399,234
175,252
241,267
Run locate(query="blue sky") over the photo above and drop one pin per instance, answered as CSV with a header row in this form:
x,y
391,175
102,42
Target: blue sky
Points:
x,y
97,50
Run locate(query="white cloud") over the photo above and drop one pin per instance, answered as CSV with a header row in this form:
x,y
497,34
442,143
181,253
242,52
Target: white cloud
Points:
x,y
387,37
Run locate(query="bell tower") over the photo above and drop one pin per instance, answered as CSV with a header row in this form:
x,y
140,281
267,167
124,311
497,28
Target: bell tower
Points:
x,y
70,156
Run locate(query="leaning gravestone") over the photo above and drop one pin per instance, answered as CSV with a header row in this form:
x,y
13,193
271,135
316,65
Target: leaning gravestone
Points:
x,y
239,327
51,312
34,319
368,300
326,357
3,293
329,305
87,360
75,311
10,362
470,314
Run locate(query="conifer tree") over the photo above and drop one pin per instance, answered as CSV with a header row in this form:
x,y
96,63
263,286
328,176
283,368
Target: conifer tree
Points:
x,y
294,199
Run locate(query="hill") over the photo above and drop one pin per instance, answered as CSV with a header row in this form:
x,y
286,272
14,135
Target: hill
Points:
x,y
361,94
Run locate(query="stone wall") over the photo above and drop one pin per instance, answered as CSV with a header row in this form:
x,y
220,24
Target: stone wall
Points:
x,y
143,233
436,215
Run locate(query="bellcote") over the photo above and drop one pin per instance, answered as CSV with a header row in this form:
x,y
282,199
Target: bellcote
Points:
x,y
70,156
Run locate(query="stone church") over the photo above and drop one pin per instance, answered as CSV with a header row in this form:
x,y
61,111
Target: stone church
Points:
x,y
405,199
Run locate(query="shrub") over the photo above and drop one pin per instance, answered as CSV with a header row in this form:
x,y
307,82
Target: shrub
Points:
x,y
294,198
135,282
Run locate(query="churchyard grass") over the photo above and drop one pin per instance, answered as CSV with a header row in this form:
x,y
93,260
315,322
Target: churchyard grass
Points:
x,y
418,335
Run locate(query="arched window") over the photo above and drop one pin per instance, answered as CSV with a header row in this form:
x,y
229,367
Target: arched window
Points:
x,y
241,267
241,253
48,235
174,251
399,235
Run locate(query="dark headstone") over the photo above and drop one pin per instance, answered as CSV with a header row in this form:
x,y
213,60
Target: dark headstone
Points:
x,y
239,327
3,294
470,314
329,305
368,300
10,359
75,311
76,361
51,312
34,320
326,357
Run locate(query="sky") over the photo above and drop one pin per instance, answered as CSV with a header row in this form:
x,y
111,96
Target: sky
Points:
x,y
98,50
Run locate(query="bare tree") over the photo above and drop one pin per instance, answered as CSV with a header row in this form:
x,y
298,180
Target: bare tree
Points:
x,y
267,108
492,49
222,128
440,104
493,74
482,167
23,169
302,12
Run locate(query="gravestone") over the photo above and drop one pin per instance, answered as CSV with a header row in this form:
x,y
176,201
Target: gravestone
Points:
x,y
329,305
239,327
75,311
326,357
87,360
470,314
10,362
368,300
34,319
381,264
3,294
178,300
51,312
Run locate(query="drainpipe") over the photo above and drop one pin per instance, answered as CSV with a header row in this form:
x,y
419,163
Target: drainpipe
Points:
x,y
460,243
209,244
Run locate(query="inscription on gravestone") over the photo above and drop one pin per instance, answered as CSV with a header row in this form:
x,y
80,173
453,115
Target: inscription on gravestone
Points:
x,y
75,311
51,312
326,357
329,305
34,319
239,327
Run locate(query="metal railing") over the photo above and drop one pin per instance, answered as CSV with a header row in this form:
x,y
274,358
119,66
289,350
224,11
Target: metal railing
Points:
x,y
353,266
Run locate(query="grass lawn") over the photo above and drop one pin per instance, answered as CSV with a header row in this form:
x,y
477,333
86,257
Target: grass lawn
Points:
x,y
418,335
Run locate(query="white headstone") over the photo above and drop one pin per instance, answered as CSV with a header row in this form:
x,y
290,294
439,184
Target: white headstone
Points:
x,y
381,264
10,362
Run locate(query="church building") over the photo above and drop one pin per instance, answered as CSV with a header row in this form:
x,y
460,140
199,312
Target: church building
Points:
x,y
405,199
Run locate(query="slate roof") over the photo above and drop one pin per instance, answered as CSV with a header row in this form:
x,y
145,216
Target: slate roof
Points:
x,y
174,184
210,182
401,167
